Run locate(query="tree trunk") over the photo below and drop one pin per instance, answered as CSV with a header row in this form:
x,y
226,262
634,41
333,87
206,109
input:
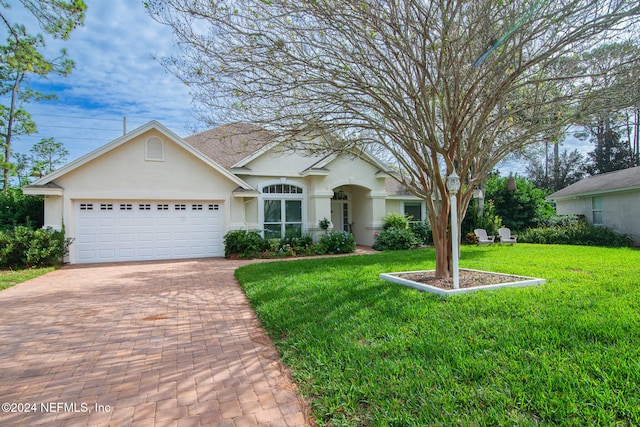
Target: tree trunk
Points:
x,y
556,166
7,145
439,220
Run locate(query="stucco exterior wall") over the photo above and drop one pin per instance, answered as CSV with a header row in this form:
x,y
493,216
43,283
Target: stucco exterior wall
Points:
x,y
53,209
365,186
620,211
123,173
575,207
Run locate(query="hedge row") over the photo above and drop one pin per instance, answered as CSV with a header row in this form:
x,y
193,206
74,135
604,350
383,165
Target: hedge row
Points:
x,y
578,233
252,245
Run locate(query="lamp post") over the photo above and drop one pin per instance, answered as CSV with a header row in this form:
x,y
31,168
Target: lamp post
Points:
x,y
453,185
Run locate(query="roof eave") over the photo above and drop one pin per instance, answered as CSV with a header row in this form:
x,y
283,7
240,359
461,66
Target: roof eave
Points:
x,y
592,193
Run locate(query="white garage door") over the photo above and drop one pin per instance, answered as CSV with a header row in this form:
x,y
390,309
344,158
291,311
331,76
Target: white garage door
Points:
x,y
108,231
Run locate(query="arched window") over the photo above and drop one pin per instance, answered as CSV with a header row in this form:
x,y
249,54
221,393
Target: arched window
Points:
x,y
154,149
282,210
281,189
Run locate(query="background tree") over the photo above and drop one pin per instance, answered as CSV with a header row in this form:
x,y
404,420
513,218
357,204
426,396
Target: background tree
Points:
x,y
47,155
553,171
22,57
610,153
606,128
436,83
22,168
520,208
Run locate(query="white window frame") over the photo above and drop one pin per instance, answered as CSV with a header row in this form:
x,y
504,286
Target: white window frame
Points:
x,y
423,209
597,211
282,197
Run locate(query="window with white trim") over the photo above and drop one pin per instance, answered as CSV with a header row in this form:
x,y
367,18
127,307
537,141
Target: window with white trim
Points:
x,y
596,211
413,210
282,211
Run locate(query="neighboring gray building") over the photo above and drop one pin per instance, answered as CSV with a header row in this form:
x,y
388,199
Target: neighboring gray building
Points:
x,y
611,199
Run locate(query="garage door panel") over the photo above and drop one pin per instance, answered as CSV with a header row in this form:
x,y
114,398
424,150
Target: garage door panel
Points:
x,y
106,255
145,252
86,238
86,256
130,230
87,222
124,254
106,238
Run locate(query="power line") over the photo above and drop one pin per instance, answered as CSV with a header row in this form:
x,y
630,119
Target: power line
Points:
x,y
76,117
75,127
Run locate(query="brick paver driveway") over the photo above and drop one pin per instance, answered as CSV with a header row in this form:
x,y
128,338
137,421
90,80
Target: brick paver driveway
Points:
x,y
164,343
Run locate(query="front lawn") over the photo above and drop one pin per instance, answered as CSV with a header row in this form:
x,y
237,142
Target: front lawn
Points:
x,y
368,352
10,278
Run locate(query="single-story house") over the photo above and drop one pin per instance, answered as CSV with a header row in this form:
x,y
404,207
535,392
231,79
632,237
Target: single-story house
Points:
x,y
151,194
611,199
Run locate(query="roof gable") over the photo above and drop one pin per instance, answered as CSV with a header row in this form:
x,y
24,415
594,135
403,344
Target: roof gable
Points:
x,y
152,125
626,179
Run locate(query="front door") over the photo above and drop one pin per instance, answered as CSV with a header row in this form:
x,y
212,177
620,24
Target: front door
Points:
x,y
341,211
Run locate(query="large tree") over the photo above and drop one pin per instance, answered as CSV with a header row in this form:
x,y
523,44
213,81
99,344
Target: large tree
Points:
x,y
553,170
437,83
23,56
607,128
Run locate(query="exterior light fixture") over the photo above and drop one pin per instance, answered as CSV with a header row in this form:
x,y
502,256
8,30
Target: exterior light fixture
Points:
x,y
453,185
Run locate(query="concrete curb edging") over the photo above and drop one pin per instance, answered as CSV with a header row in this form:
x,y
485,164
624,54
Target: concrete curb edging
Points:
x,y
393,277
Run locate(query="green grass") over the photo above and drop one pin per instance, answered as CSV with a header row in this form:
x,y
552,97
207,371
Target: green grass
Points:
x,y
367,352
10,278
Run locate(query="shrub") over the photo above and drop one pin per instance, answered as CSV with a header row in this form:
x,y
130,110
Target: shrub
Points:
x,y
336,242
488,221
324,224
395,239
248,244
17,209
395,220
422,231
576,233
471,238
521,208
300,245
25,247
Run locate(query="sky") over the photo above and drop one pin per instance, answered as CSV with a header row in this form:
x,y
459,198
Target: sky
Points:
x,y
117,77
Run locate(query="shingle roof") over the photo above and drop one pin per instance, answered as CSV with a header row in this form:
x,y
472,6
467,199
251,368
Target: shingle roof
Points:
x,y
625,179
394,188
228,144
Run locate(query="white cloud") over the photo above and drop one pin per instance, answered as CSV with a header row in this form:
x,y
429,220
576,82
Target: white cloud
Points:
x,y
115,77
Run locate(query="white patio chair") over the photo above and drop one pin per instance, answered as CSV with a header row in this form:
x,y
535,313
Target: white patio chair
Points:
x,y
483,239
506,236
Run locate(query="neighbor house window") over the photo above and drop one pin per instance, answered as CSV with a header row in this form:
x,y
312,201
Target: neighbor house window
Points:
x,y
413,210
282,211
596,210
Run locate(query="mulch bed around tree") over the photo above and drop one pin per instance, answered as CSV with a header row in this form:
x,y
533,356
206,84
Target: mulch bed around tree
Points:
x,y
468,279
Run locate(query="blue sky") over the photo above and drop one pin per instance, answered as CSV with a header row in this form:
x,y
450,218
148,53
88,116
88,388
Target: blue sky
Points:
x,y
116,77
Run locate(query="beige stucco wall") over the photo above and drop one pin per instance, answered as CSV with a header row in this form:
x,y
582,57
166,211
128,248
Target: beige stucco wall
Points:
x,y
123,173
621,211
358,177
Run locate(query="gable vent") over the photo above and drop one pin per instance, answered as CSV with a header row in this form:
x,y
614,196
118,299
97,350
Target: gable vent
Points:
x,y
155,149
